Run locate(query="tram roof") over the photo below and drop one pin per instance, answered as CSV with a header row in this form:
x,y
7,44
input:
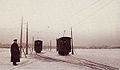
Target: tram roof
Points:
x,y
64,38
38,40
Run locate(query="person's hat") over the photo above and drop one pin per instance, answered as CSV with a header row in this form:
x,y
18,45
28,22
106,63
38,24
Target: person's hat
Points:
x,y
15,40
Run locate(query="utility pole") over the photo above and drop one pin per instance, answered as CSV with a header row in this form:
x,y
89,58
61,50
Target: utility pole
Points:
x,y
50,45
21,37
27,38
32,43
72,41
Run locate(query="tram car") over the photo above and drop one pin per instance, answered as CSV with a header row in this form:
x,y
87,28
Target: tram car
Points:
x,y
63,45
38,46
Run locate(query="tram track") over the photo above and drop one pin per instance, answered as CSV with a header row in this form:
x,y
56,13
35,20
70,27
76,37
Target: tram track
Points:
x,y
25,63
94,65
78,61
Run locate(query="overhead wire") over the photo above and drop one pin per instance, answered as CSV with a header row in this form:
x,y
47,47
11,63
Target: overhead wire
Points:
x,y
97,4
93,5
100,7
76,13
94,14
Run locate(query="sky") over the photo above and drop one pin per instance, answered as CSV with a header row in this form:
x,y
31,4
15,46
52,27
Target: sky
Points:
x,y
93,22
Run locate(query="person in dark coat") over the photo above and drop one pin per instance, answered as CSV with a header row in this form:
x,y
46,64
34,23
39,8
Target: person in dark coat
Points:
x,y
15,53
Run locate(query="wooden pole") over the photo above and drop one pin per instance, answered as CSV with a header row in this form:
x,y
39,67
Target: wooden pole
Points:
x,y
32,43
72,42
50,45
21,37
27,38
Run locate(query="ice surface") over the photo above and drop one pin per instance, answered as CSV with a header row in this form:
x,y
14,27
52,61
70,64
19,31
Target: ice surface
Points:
x,y
30,63
109,57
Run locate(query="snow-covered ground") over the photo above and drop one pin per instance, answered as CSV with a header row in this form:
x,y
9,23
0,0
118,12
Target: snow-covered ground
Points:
x,y
109,57
30,63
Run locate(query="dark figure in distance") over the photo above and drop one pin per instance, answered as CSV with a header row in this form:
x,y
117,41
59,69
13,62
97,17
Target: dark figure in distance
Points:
x,y
15,53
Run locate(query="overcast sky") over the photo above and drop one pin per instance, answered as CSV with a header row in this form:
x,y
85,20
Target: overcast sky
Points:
x,y
94,22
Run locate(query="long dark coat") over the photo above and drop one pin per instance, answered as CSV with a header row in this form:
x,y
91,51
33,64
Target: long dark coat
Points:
x,y
15,53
